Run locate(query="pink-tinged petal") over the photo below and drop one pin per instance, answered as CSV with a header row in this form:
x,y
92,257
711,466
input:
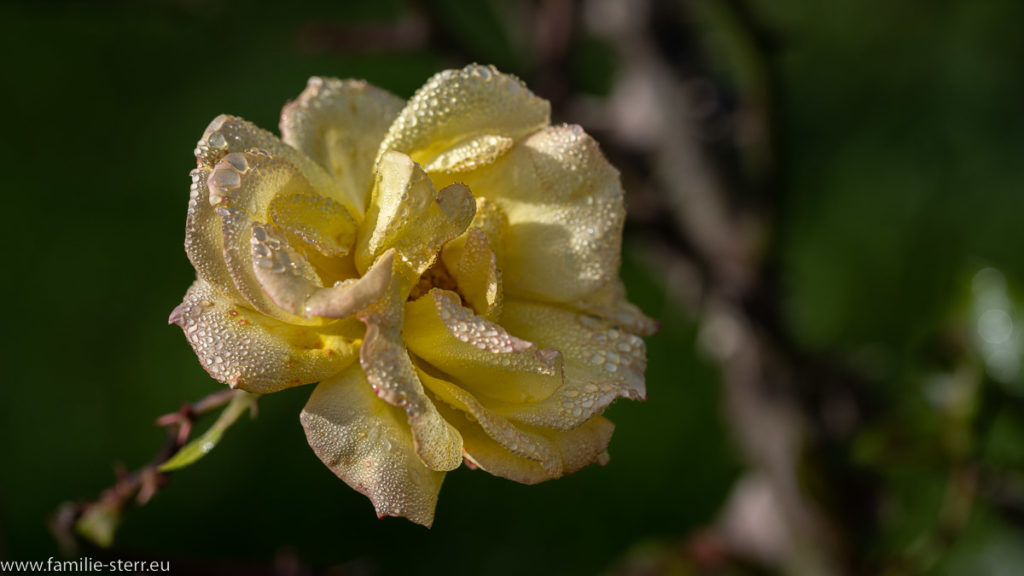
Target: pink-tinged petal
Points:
x,y
406,214
284,275
479,354
352,296
204,242
470,114
250,181
271,276
564,204
367,443
602,363
240,232
230,134
390,372
340,125
256,353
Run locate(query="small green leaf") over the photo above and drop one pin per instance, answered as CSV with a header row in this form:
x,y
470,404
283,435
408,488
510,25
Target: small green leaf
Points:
x,y
98,523
201,446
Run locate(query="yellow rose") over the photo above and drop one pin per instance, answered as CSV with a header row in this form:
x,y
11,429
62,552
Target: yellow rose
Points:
x,y
446,269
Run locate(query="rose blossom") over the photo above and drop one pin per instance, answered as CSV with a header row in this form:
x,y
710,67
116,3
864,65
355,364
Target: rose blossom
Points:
x,y
445,268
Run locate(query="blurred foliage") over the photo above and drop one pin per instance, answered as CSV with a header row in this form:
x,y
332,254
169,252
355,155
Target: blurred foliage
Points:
x,y
900,143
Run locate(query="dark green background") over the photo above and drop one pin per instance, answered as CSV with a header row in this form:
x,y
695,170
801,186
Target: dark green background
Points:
x,y
903,139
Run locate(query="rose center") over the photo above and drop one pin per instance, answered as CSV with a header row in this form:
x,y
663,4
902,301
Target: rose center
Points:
x,y
437,276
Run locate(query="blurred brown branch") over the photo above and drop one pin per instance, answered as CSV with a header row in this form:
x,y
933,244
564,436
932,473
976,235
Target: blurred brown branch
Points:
x,y
713,226
97,520
787,408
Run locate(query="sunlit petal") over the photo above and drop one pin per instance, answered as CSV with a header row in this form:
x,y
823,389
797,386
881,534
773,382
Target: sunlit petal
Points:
x,y
406,214
479,354
469,114
367,443
390,371
516,441
204,241
251,351
228,134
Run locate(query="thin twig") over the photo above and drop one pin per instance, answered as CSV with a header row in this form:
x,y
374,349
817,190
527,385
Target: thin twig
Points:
x,y
135,488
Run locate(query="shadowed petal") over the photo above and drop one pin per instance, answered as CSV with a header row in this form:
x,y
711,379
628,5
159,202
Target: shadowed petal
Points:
x,y
564,204
340,124
610,304
272,276
367,443
284,275
602,363
248,350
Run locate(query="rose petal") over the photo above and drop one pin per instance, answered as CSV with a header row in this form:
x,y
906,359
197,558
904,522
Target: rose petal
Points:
x,y
602,363
564,204
244,186
319,223
390,371
406,214
471,154
493,222
460,111
367,443
479,354
229,134
204,242
610,303
474,265
248,350
580,447
284,275
340,124
239,231
577,448
352,296
519,442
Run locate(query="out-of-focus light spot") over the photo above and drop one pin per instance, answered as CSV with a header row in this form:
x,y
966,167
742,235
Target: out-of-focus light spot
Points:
x,y
996,336
995,326
988,280
947,391
721,336
1003,365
